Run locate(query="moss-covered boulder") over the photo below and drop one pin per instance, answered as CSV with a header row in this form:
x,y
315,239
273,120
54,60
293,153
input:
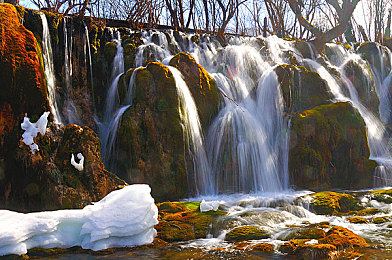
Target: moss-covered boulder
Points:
x,y
150,145
306,233
357,220
182,221
329,149
338,242
343,238
360,76
302,89
246,233
201,85
374,54
332,203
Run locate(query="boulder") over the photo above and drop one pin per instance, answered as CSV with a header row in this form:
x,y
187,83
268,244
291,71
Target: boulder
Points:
x,y
182,221
332,203
329,149
201,85
302,89
247,233
150,143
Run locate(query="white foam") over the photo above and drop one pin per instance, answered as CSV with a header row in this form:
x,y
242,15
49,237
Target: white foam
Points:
x,y
32,130
209,205
125,217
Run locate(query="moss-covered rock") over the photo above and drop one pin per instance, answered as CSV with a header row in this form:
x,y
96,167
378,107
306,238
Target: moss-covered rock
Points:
x,y
357,220
246,233
331,203
182,221
49,181
329,149
201,85
361,78
338,242
380,220
306,233
373,53
302,89
263,247
343,238
151,147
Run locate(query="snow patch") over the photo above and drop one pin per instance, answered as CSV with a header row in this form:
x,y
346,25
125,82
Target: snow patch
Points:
x,y
32,130
78,166
123,218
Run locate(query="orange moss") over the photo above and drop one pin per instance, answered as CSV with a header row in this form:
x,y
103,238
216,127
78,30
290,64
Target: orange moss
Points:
x,y
263,247
357,220
182,221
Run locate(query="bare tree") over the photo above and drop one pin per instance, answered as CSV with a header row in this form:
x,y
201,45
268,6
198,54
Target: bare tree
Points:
x,y
343,12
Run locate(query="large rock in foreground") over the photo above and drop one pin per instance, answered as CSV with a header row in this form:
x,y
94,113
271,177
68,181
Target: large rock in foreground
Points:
x,y
328,148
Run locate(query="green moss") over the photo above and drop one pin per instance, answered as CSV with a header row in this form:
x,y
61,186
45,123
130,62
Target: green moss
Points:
x,y
201,85
110,51
329,148
380,220
182,221
246,233
306,233
302,89
195,38
357,220
331,203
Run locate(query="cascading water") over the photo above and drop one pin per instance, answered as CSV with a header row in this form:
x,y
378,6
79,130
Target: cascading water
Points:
x,y
378,137
191,123
72,115
87,50
247,142
49,69
113,111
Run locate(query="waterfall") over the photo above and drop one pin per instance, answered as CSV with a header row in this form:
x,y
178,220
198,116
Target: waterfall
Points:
x,y
247,143
191,124
377,135
72,115
87,49
113,112
49,69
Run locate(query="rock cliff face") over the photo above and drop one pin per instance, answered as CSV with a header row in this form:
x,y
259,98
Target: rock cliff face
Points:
x,y
45,180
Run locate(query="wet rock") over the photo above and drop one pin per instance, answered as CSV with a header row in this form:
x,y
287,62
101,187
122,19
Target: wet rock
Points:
x,y
332,203
357,220
338,243
371,51
182,221
343,238
329,149
302,89
263,247
306,233
361,78
49,181
247,233
380,220
150,143
201,85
